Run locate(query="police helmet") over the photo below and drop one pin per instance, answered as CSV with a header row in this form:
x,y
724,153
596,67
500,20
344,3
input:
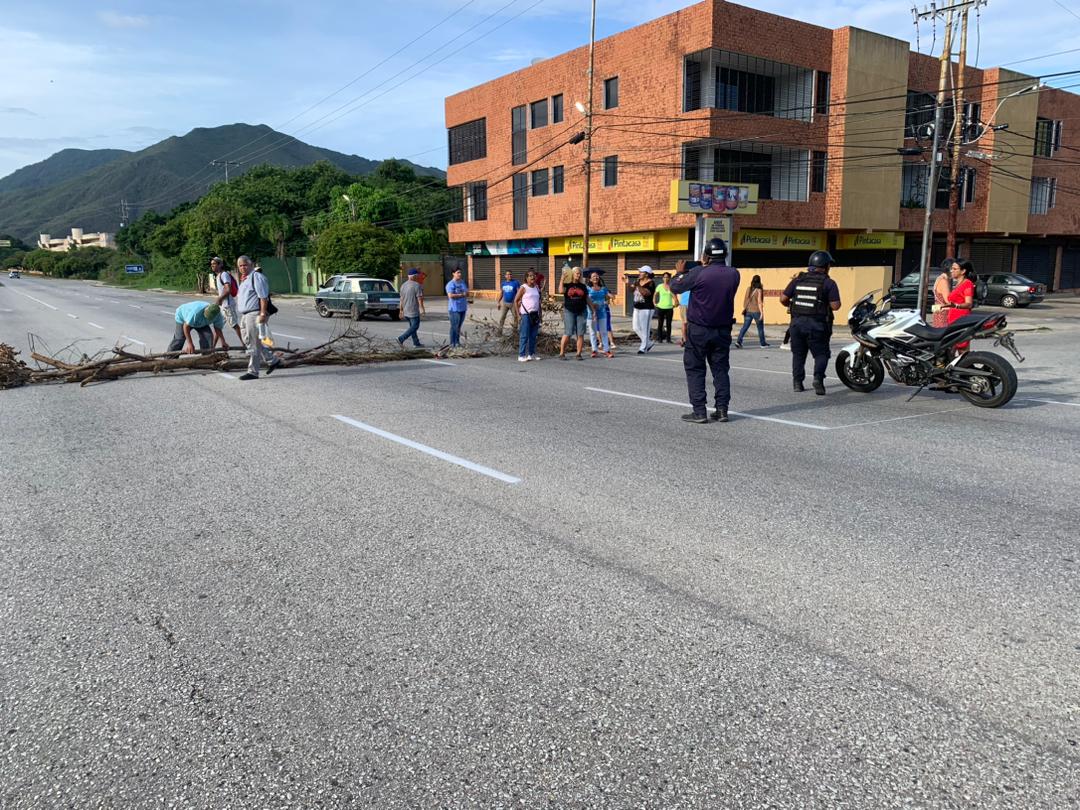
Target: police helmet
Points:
x,y
821,258
716,249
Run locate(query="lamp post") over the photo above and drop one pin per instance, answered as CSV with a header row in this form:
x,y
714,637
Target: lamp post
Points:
x,y
588,112
352,205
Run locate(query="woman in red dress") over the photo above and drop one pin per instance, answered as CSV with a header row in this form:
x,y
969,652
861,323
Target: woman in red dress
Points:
x,y
961,299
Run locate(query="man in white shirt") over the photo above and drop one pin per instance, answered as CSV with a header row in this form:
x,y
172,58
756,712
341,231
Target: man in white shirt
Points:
x,y
252,299
226,295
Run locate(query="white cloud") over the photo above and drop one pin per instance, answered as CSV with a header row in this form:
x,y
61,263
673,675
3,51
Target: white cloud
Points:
x,y
114,19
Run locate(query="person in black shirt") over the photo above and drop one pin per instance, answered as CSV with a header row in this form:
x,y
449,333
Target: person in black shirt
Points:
x,y
709,318
644,291
575,310
813,297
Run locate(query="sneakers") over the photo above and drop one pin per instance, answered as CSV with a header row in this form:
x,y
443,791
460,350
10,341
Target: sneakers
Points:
x,y
719,415
533,357
738,345
696,418
784,347
400,342
272,367
248,376
641,351
594,354
765,345
523,359
798,386
819,387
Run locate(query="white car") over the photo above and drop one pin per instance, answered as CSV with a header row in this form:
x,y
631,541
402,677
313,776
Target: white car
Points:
x,y
14,274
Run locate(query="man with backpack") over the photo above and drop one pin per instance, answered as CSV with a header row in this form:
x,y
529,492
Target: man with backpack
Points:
x,y
227,287
812,297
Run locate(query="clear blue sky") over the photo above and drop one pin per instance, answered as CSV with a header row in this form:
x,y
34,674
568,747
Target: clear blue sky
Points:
x,y
126,74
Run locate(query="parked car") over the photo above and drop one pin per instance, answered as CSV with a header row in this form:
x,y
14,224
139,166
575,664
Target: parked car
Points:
x,y
1011,290
346,295
333,280
905,292
14,274
382,297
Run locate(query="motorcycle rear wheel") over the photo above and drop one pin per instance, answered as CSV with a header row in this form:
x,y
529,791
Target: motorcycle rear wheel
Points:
x,y
999,387
865,377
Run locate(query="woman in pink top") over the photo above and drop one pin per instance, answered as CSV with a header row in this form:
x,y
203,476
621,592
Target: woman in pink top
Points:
x,y
942,288
527,305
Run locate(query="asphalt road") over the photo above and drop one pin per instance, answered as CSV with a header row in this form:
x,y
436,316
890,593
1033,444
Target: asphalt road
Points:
x,y
276,594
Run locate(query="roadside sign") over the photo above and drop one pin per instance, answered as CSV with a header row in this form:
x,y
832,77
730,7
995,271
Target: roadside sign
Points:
x,y
133,268
5,243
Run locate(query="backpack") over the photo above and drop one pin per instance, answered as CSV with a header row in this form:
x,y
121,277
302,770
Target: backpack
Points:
x,y
811,298
234,288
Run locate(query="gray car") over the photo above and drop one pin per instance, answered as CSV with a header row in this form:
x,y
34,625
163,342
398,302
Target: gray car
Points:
x,y
1011,290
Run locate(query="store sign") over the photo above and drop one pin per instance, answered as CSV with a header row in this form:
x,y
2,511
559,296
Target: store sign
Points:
x,y
884,240
695,197
756,239
508,247
717,228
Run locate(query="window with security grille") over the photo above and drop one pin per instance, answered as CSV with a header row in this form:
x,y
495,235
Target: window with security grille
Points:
x,y
725,80
818,170
521,202
611,171
468,141
475,201
611,93
557,109
538,111
519,150
780,172
540,183
821,93
557,179
1047,137
1043,194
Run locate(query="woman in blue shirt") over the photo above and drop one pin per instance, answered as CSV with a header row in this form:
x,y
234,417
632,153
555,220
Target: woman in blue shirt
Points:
x,y
599,298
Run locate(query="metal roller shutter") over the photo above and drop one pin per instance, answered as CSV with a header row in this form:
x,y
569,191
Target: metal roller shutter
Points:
x,y
483,273
520,265
1070,269
607,262
1037,263
991,257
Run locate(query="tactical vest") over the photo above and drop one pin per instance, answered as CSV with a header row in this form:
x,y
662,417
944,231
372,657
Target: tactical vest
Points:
x,y
811,298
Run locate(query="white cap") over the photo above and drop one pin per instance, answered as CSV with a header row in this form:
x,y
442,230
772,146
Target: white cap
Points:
x,y
645,269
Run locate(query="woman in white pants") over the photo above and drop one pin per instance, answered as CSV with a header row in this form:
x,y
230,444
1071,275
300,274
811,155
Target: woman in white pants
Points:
x,y
644,291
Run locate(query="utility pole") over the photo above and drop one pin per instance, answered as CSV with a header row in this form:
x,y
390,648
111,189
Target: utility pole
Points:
x,y
959,110
123,212
588,141
226,164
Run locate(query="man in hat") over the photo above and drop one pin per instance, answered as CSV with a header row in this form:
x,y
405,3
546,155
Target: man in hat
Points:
x,y
200,317
644,291
411,307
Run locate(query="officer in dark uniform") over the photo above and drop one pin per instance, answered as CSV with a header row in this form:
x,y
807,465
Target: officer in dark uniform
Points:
x,y
813,297
709,319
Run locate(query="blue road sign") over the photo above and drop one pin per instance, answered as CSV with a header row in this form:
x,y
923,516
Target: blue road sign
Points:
x,y
133,268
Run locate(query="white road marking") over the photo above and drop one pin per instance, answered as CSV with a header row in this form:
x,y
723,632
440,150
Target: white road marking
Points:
x,y
791,422
166,312
294,337
437,362
431,451
1053,402
226,374
24,295
133,340
898,418
134,306
76,317
95,325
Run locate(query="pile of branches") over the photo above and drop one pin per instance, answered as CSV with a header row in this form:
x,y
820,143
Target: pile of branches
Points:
x,y
354,347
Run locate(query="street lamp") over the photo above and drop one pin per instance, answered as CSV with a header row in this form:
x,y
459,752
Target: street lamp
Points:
x,y
352,205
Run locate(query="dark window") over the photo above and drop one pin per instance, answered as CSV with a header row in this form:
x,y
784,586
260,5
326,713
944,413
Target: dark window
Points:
x,y
556,109
519,149
745,92
919,114
744,167
818,166
972,114
821,93
692,85
538,111
468,141
557,180
521,202
692,164
611,93
475,201
540,183
969,185
611,170
1047,137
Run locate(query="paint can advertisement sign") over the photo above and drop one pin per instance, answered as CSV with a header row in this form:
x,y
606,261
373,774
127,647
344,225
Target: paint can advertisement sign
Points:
x,y
713,198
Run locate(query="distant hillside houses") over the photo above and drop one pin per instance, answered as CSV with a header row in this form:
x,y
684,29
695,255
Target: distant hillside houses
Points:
x,y
77,239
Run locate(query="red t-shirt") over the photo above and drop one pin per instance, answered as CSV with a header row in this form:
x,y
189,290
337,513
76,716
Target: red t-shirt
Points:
x,y
959,296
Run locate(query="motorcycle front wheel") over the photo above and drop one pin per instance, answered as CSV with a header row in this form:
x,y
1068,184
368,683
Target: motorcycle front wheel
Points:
x,y
865,375
997,387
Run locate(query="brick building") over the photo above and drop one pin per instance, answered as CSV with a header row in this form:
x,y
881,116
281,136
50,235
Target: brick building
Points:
x,y
811,117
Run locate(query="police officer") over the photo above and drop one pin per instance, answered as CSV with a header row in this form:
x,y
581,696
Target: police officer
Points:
x,y
813,297
709,319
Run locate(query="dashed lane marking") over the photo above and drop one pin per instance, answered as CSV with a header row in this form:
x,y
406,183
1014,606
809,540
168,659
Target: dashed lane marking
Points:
x,y
437,362
294,337
76,317
227,375
95,325
133,340
431,451
1053,402
38,300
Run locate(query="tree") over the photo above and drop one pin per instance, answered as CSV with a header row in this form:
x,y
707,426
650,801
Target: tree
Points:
x,y
276,229
422,240
135,236
346,247
224,228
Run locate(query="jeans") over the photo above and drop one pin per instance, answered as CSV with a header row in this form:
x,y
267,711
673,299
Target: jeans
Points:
x,y
813,335
707,346
527,334
598,334
749,318
663,323
249,328
456,320
414,327
642,322
206,337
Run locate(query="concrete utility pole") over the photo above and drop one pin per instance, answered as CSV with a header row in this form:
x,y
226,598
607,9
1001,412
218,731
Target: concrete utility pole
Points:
x,y
960,126
226,164
588,140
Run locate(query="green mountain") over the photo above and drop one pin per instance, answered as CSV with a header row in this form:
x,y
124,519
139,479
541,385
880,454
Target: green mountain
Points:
x,y
64,165
158,178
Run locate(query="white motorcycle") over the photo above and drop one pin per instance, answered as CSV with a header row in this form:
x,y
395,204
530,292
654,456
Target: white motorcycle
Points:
x,y
900,342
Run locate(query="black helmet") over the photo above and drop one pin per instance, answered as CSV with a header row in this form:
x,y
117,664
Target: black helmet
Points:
x,y
821,258
716,248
